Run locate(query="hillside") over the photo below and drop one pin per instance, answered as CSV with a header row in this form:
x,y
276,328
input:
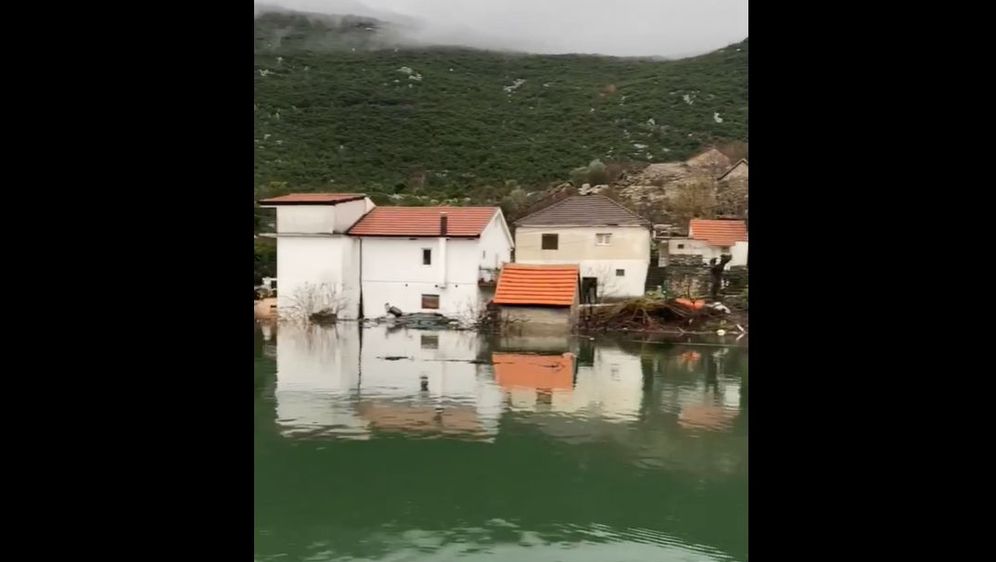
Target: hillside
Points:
x,y
343,104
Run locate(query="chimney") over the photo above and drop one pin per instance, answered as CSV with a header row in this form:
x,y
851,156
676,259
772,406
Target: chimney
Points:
x,y
442,224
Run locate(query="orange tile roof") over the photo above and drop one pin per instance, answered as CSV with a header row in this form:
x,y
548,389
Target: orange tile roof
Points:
x,y
555,285
555,372
423,221
718,232
312,199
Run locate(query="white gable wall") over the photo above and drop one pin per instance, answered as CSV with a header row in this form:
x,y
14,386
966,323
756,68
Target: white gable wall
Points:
x,y
317,269
628,250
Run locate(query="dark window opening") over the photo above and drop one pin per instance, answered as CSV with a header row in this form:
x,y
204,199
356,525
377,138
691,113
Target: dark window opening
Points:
x,y
430,301
681,246
430,342
620,272
549,242
426,256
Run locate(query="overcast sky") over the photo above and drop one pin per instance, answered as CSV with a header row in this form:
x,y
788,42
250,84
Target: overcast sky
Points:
x,y
610,27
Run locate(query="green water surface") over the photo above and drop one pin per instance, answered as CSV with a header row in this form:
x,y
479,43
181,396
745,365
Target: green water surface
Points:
x,y
377,444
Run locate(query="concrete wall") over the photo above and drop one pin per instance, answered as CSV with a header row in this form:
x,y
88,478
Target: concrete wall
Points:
x,y
545,320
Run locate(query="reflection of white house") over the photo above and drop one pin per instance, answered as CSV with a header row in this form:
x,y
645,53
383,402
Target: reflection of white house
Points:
x,y
317,374
336,250
710,239
400,380
610,389
608,241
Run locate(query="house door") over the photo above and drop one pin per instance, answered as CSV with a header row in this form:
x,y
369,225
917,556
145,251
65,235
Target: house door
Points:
x,y
589,290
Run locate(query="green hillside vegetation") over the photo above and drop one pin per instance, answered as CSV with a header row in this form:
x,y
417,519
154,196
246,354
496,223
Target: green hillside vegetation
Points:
x,y
446,121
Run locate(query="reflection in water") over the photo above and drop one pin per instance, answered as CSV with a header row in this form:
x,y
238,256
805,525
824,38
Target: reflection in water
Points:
x,y
328,385
377,444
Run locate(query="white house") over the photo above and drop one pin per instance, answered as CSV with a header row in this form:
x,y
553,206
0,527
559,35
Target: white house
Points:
x,y
339,250
431,259
609,242
710,239
316,260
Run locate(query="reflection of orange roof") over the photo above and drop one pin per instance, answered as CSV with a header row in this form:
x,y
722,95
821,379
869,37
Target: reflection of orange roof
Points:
x,y
554,372
705,417
402,417
718,232
689,357
537,284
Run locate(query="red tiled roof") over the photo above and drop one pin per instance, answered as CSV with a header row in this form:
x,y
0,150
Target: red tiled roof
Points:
x,y
312,199
555,285
718,232
423,221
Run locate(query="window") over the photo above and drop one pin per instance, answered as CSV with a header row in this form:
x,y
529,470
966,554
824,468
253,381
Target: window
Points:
x,y
430,301
620,273
603,239
681,246
484,254
549,242
430,342
426,256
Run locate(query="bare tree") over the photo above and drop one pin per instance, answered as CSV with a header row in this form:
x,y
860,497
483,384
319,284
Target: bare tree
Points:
x,y
693,200
310,298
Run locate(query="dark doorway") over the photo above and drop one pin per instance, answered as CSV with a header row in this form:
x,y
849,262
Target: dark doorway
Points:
x,y
589,290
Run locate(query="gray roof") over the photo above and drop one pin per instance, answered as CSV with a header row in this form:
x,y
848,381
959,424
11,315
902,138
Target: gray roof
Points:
x,y
583,210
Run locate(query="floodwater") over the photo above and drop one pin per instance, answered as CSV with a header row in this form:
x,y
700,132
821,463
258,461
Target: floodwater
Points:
x,y
405,445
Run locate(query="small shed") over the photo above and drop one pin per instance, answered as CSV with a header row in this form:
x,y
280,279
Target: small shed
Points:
x,y
538,298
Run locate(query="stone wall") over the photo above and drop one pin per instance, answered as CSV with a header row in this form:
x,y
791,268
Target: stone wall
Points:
x,y
689,276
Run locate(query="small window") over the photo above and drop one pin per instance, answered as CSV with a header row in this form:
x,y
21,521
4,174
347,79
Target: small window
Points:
x,y
549,242
484,254
681,246
603,239
620,273
430,342
430,301
426,256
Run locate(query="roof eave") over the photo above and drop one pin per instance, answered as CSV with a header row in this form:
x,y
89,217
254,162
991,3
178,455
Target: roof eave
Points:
x,y
270,203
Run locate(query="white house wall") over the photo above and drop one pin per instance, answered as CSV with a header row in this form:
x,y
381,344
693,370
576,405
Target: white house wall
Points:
x,y
326,266
738,251
495,247
629,250
393,272
311,219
